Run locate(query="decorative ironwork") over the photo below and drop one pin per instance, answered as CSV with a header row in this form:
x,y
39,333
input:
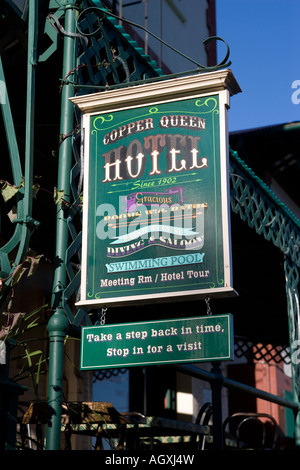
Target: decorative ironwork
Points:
x,y
108,57
257,206
110,16
105,374
261,352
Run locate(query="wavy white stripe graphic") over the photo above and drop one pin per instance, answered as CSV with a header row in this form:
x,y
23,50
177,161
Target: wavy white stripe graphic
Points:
x,y
182,232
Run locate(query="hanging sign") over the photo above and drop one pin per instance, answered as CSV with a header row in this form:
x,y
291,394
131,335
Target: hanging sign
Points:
x,y
156,202
190,340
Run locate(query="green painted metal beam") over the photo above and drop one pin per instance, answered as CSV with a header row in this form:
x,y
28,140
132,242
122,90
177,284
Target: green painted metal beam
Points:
x,y
30,108
24,222
10,129
16,171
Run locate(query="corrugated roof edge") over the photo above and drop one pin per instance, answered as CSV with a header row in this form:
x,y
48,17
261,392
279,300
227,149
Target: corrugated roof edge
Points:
x,y
287,126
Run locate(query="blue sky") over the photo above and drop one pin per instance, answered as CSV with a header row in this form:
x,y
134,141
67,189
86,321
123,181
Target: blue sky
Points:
x,y
264,41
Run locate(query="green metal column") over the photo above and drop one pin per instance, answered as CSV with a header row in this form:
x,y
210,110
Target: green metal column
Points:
x,y
58,323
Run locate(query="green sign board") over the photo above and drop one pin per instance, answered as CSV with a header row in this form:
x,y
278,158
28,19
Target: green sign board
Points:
x,y
177,341
156,205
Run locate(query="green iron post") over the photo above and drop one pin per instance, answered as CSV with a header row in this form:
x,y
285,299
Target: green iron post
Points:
x,y
58,323
216,388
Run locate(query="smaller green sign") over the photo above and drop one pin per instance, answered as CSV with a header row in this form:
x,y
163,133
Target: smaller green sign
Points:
x,y
195,339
